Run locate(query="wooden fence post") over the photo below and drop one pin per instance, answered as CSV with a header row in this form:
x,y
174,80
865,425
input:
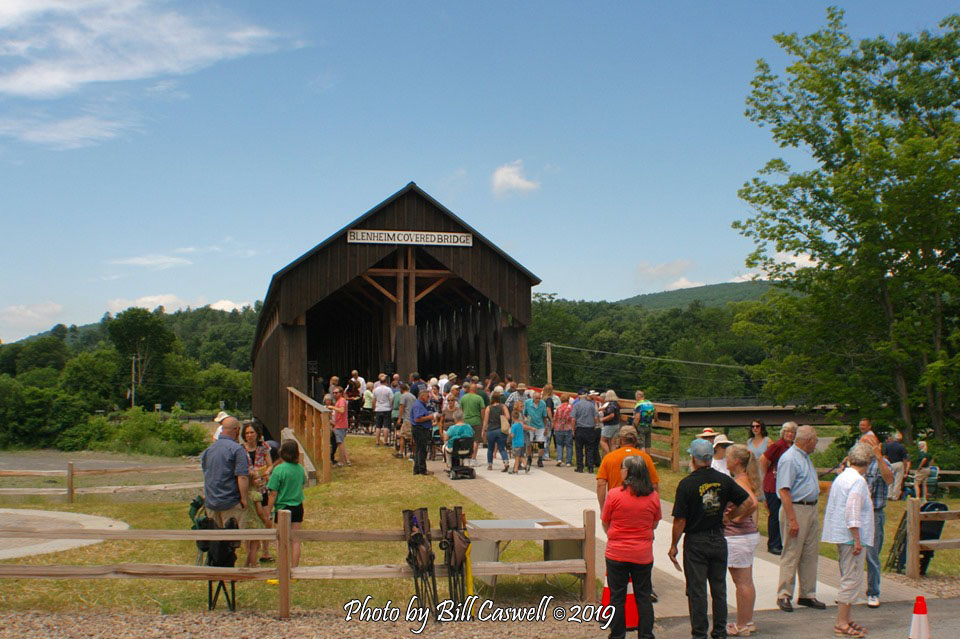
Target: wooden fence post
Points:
x,y
675,439
284,560
69,482
324,460
913,538
549,363
589,592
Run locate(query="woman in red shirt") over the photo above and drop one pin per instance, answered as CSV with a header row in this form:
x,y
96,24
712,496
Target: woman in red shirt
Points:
x,y
631,513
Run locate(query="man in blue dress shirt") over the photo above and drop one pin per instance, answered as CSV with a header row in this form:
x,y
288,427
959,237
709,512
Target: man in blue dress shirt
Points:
x,y
798,489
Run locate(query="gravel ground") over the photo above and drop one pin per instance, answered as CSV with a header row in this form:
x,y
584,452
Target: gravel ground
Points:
x,y
940,587
243,625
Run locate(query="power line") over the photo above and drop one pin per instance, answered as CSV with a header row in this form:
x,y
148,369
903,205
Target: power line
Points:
x,y
650,357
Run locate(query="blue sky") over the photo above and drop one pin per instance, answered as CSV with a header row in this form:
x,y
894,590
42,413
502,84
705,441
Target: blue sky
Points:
x,y
179,153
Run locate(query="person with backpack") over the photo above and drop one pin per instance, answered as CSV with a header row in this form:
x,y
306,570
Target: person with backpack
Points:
x,y
643,413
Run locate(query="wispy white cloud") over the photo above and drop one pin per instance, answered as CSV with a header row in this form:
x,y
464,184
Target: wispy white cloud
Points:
x,y
154,261
802,260
665,276
59,47
510,177
66,133
168,301
683,282
51,49
21,318
228,305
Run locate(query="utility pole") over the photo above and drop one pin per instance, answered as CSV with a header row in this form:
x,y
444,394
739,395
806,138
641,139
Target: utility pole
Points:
x,y
133,381
549,364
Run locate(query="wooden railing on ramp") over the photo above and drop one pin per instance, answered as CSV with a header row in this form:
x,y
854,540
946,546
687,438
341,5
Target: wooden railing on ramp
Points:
x,y
310,422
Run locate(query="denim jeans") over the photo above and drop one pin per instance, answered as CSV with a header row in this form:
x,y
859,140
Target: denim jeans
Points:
x,y
496,438
705,561
618,574
873,553
773,522
564,439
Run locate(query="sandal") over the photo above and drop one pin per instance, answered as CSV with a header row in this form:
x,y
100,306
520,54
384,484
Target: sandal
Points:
x,y
849,631
733,630
858,627
266,559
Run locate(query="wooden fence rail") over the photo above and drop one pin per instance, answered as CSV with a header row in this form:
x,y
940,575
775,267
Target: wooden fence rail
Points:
x,y
284,534
310,422
72,472
915,544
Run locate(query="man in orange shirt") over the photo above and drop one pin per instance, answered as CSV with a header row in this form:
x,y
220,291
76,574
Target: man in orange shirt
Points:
x,y
609,476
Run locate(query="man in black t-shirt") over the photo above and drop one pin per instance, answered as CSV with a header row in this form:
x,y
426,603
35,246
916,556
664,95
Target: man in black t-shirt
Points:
x,y
702,497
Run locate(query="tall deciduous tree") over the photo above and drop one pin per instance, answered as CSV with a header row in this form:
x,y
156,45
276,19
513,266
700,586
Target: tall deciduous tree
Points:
x,y
140,336
878,214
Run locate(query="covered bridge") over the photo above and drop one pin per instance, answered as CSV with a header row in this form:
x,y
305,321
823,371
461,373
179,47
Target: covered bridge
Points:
x,y
408,286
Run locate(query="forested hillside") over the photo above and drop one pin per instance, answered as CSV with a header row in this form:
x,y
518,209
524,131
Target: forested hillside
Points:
x,y
710,295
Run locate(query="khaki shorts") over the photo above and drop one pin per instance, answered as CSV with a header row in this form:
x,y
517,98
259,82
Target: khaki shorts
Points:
x,y
222,516
406,430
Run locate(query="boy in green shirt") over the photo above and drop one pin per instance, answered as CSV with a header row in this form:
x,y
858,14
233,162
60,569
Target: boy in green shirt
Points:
x,y
286,490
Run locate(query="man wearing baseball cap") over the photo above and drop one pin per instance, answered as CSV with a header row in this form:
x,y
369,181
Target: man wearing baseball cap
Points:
x,y
219,420
702,496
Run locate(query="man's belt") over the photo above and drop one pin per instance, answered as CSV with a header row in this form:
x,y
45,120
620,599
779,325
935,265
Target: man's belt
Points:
x,y
812,502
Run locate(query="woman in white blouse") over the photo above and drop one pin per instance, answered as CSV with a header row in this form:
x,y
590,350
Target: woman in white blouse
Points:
x,y
848,523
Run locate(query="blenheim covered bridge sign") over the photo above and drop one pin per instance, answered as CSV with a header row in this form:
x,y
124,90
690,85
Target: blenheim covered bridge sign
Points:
x,y
407,286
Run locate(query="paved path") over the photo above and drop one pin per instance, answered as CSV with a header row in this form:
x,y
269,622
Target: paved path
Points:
x,y
562,494
48,519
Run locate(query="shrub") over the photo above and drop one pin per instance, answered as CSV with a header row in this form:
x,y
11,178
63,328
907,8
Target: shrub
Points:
x,y
150,434
92,433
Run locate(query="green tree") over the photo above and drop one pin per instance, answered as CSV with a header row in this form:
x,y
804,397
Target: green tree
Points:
x,y
142,338
42,352
94,378
878,214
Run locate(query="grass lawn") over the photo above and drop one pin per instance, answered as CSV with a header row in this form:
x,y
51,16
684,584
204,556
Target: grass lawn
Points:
x,y
371,494
945,563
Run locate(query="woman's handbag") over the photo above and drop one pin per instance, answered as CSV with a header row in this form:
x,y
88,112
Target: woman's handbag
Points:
x,y
504,423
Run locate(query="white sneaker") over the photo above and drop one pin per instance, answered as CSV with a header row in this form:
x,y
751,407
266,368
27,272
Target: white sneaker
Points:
x,y
873,601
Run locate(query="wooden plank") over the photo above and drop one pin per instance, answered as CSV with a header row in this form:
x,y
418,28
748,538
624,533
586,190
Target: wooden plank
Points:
x,y
427,290
913,538
589,591
349,535
432,272
940,544
403,571
390,296
666,439
136,571
412,286
943,515
69,482
284,559
660,453
118,490
253,534
138,469
33,473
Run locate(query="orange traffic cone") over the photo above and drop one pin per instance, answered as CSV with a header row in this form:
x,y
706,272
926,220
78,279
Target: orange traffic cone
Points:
x,y
920,627
631,617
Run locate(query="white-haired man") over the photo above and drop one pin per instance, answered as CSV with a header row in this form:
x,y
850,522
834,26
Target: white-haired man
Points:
x,y
799,492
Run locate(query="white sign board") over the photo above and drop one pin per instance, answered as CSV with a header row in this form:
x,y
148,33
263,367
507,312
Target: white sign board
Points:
x,y
423,238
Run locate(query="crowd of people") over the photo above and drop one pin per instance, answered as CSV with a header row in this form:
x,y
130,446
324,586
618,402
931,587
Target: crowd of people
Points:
x,y
716,507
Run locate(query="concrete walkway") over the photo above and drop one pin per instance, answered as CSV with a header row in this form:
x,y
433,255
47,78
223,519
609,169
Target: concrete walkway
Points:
x,y
560,493
48,519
